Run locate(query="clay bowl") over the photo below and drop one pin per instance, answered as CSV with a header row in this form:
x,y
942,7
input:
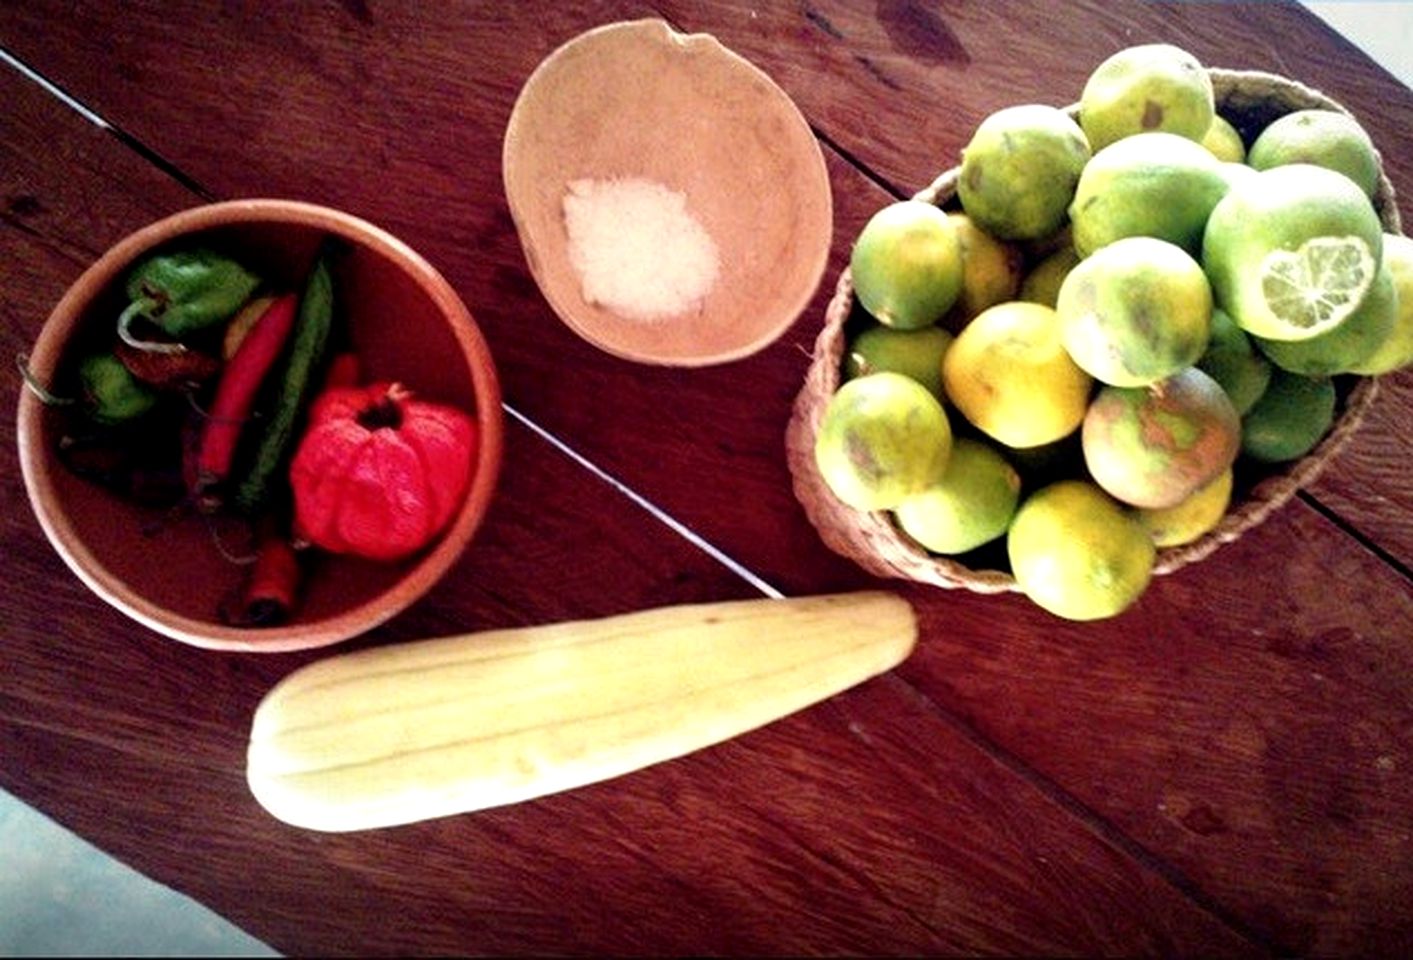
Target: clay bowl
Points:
x,y
162,567
638,100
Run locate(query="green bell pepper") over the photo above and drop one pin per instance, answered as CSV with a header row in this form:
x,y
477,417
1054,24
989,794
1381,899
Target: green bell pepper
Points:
x,y
182,293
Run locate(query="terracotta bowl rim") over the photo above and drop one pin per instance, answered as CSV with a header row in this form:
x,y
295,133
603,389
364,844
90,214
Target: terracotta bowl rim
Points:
x,y
36,466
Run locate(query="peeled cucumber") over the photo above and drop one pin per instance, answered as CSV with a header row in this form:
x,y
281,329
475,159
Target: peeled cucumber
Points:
x,y
428,729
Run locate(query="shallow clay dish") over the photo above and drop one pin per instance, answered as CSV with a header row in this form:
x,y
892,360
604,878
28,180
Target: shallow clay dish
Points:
x,y
163,568
639,100
1250,100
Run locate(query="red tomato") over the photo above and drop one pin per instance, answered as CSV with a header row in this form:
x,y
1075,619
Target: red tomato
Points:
x,y
379,474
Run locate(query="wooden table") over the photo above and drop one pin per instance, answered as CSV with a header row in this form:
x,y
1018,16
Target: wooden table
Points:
x,y
1225,770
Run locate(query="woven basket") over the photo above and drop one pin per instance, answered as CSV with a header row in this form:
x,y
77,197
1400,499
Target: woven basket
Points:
x,y
1250,101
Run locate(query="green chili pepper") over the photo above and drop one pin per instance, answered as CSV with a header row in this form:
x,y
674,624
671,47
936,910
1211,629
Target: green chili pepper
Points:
x,y
311,337
112,394
182,293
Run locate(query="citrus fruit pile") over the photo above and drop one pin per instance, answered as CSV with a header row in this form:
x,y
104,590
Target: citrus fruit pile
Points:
x,y
1127,307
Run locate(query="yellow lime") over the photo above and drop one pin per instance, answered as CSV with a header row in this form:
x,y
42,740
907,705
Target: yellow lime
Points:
x,y
1042,284
913,353
882,438
1136,312
1326,138
1397,349
1223,141
970,505
1008,373
1190,519
1154,86
991,271
1292,251
1078,553
1343,347
1291,417
1148,185
907,265
1020,169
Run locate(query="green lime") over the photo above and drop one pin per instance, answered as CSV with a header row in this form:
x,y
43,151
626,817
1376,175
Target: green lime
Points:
x,y
1137,311
1234,363
907,265
882,438
1223,142
991,272
1186,521
1326,138
1009,375
1397,349
1147,185
1020,169
1292,251
1290,418
1344,347
1236,173
1042,284
1155,446
1078,553
970,505
1146,88
913,353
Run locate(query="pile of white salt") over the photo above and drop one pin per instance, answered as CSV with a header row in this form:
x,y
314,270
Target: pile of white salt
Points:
x,y
637,248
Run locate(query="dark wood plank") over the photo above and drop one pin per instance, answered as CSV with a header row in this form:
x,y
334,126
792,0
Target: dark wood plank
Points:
x,y
728,478
868,825
1249,721
1367,484
745,849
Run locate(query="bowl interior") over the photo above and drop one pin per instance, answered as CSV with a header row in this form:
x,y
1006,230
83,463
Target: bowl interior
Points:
x,y
637,100
166,567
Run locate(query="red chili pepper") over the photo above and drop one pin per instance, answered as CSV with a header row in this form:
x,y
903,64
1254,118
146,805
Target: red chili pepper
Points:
x,y
343,372
271,591
235,394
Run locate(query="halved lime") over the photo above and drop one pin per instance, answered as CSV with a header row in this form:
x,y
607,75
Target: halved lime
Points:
x,y
1320,284
1343,347
1292,251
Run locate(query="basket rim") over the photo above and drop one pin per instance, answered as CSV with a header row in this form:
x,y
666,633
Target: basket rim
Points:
x,y
871,538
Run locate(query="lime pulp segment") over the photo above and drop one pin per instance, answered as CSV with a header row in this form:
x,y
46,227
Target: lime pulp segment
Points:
x,y
1319,284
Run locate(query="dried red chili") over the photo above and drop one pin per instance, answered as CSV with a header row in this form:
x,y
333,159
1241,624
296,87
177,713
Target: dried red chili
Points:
x,y
379,474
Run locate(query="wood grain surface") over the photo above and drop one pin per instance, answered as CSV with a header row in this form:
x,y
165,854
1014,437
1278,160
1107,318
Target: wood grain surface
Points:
x,y
1225,769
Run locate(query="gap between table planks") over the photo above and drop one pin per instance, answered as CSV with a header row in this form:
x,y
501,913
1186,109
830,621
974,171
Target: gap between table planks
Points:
x,y
750,459
137,742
